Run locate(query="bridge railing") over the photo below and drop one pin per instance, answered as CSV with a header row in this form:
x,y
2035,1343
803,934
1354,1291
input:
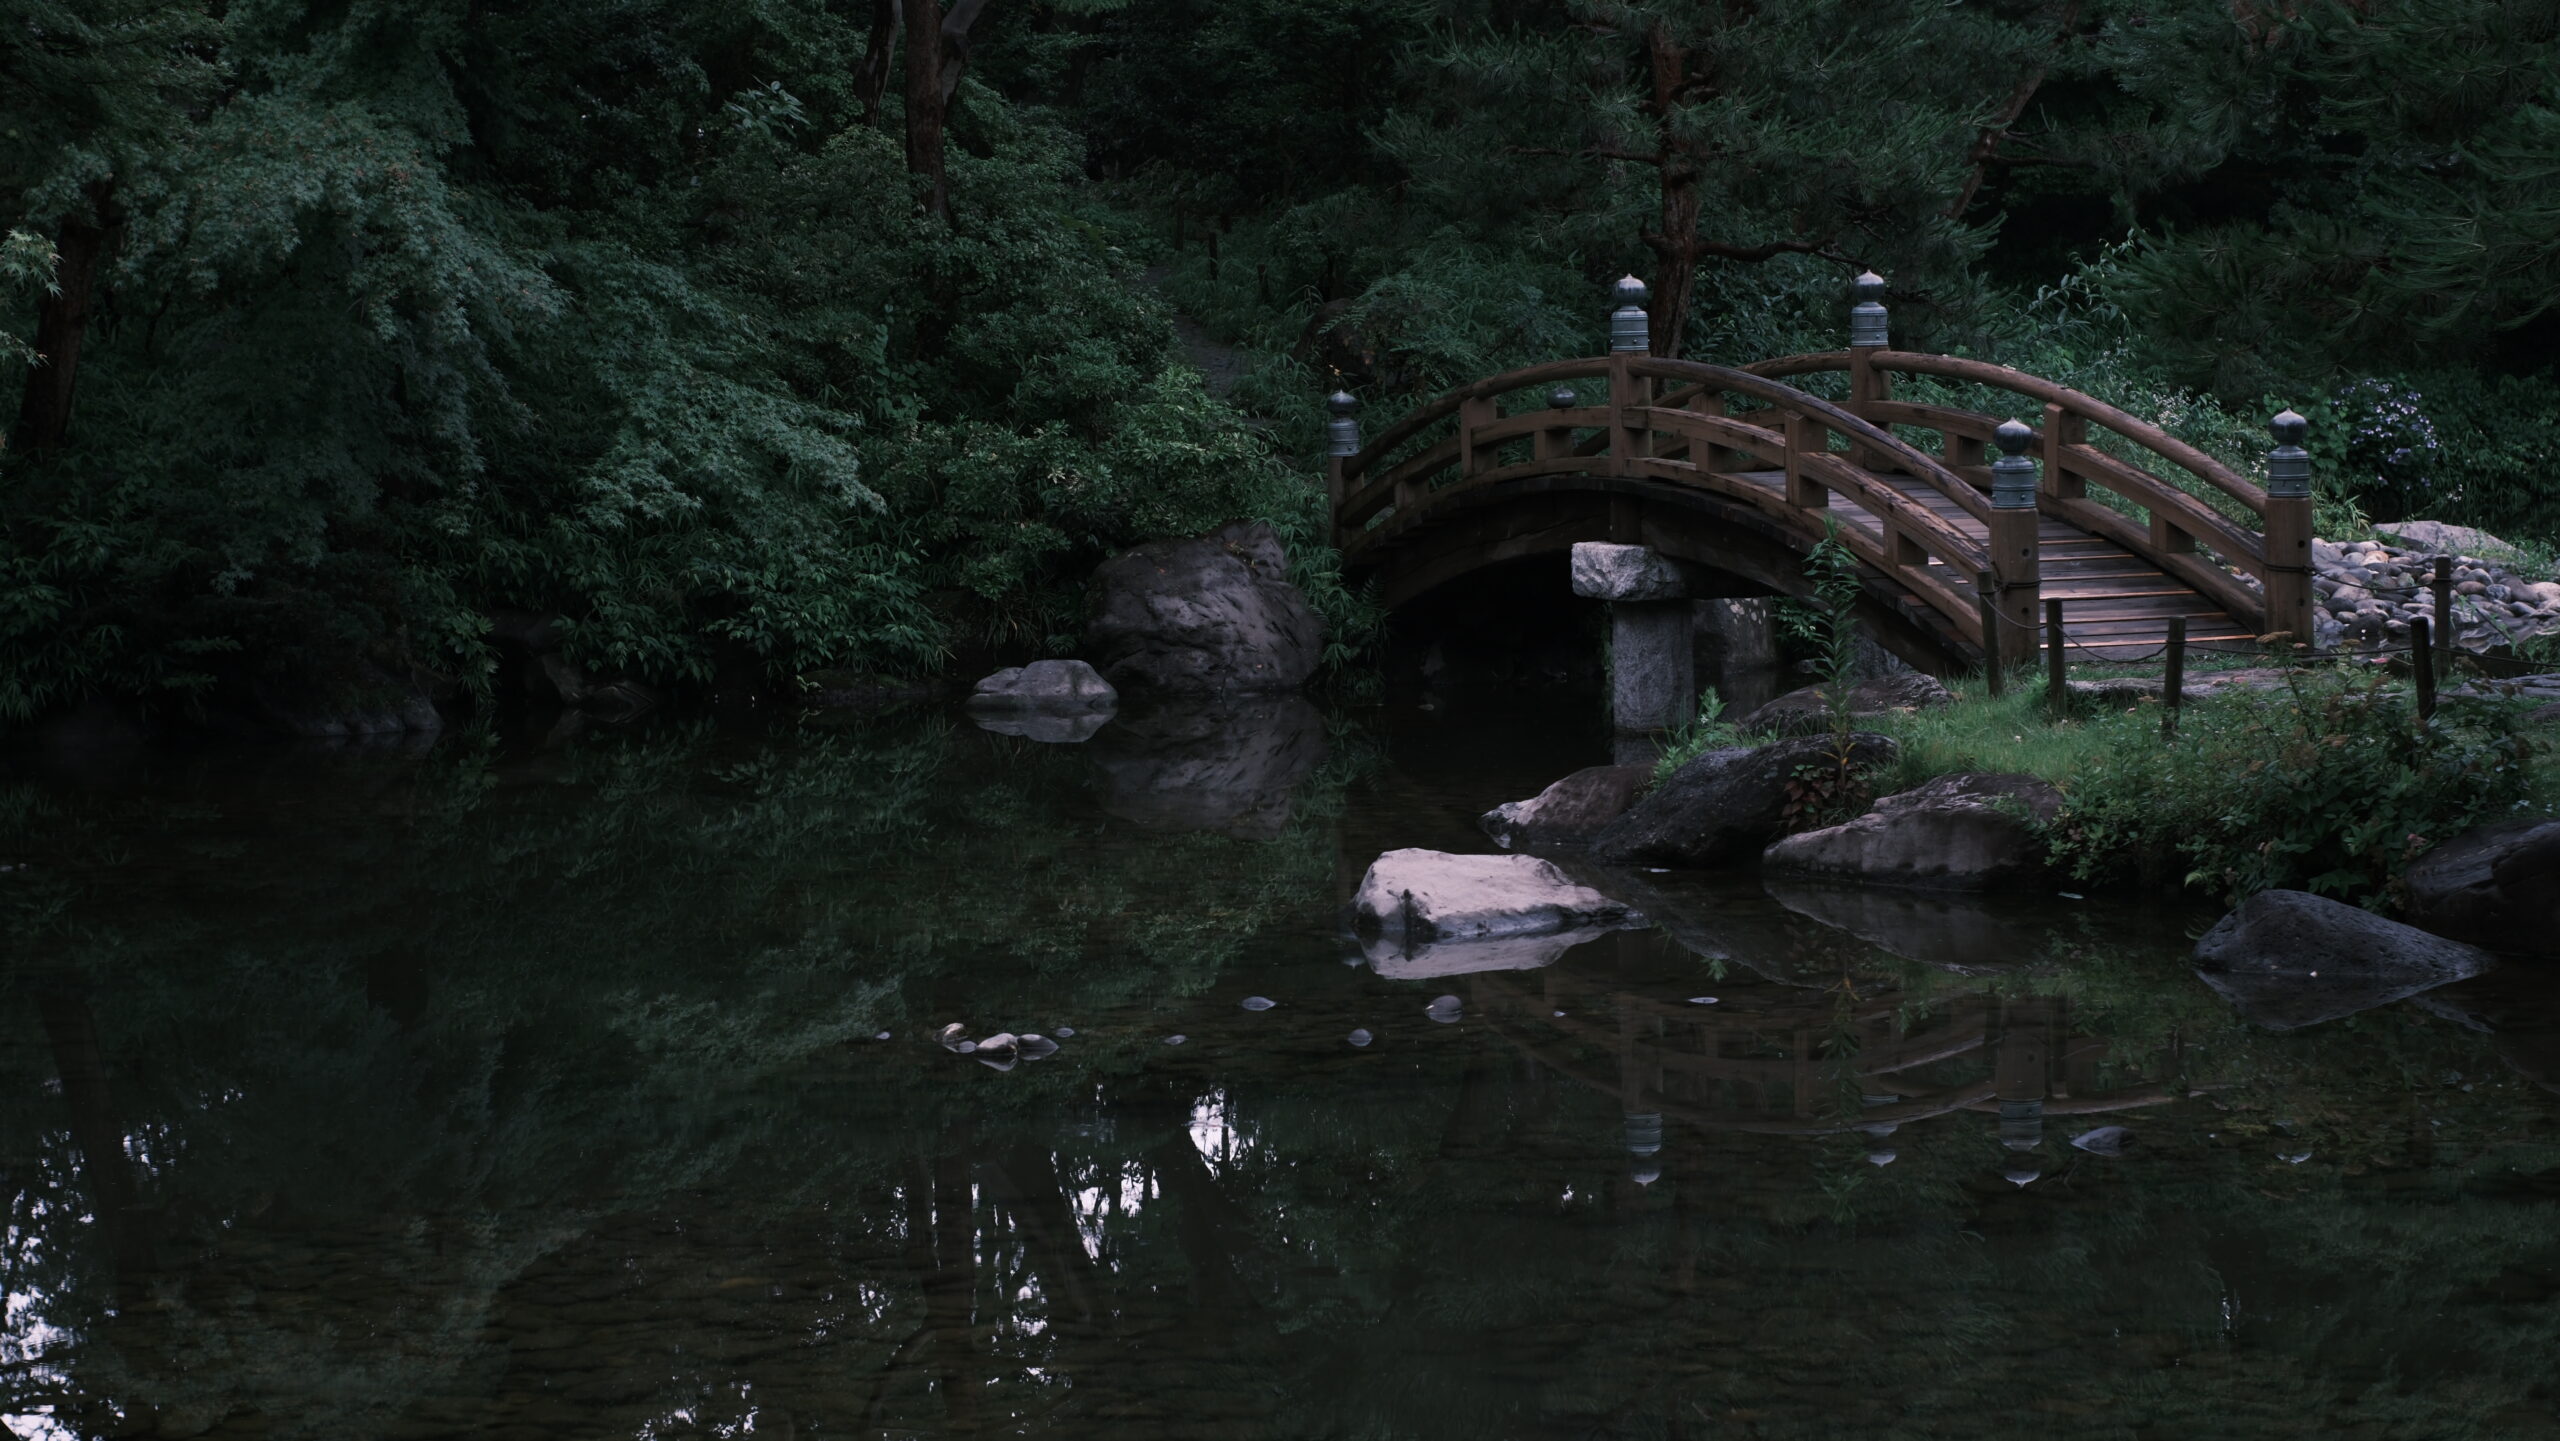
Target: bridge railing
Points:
x,y
1384,488
2257,566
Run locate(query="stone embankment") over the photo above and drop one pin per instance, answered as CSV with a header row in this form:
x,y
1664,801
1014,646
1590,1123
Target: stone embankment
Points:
x,y
2369,591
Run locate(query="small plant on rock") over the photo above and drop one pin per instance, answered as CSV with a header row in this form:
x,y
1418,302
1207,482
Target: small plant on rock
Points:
x,y
1836,786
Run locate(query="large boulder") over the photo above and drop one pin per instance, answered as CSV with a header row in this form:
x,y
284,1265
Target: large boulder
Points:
x,y
1569,812
1725,806
1211,616
2498,887
1956,832
1418,896
2288,959
1799,712
1063,687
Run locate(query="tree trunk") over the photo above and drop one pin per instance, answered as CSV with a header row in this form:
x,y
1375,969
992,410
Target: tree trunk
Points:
x,y
871,81
62,321
1677,243
924,103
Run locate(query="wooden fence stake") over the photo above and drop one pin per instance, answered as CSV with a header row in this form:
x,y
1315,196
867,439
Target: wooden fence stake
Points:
x,y
2057,686
2173,688
2422,662
2444,608
1989,610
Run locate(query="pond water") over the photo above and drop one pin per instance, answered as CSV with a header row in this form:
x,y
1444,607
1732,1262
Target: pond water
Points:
x,y
595,1090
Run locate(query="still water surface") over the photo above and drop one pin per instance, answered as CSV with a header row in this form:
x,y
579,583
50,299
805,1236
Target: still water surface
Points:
x,y
593,1091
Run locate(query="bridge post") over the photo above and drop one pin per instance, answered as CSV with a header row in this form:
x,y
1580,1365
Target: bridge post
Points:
x,y
1629,336
1342,441
1653,681
1869,332
2289,529
2017,576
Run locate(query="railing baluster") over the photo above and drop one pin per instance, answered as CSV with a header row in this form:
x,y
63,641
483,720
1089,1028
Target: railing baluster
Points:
x,y
2017,567
2288,578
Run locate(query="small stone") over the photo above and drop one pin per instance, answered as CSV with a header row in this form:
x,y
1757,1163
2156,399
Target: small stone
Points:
x,y
884,1035
2470,587
1175,1040
1259,1003
1360,1037
952,1035
1001,1041
1445,1009
961,1047
1702,1000
1880,1158
1066,1032
2293,1158
1035,1046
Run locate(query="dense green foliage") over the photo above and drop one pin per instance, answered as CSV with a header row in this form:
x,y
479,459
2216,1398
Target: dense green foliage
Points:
x,y
2327,783
360,322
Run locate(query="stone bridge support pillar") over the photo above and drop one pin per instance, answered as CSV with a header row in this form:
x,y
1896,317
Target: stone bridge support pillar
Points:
x,y
1653,681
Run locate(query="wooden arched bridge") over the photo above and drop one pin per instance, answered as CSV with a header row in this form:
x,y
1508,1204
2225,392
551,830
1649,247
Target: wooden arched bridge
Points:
x,y
1740,473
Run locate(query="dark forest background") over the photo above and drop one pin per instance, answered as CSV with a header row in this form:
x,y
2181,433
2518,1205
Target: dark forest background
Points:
x,y
756,338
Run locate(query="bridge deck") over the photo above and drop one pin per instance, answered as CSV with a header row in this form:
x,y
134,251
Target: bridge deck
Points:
x,y
2116,604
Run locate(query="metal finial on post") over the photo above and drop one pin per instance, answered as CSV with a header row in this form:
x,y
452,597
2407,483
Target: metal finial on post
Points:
x,y
1342,436
2013,476
1629,329
1562,397
2288,465
1867,318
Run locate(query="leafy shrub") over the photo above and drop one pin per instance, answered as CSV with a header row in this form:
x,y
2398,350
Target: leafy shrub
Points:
x,y
2326,786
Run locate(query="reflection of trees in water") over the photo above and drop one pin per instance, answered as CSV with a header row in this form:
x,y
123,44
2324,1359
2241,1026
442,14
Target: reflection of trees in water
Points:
x,y
587,1159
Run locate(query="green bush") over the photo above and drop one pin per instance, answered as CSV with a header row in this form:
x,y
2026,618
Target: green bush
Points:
x,y
2328,786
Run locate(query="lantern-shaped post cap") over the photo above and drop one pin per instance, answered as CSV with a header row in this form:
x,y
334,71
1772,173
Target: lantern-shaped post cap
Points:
x,y
1342,403
2013,437
2288,427
1562,397
1868,327
1628,291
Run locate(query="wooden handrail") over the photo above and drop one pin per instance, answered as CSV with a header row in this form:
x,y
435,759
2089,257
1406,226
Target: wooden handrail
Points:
x,y
1982,372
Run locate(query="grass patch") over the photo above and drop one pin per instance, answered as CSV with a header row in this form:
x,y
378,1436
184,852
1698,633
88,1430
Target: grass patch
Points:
x,y
2326,784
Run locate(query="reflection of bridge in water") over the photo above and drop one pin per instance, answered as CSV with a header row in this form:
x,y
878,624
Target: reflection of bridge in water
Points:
x,y
1779,1061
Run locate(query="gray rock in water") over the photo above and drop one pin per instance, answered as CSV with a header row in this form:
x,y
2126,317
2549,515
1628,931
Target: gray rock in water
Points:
x,y
1175,1040
1034,1046
1725,806
1360,1037
1211,616
1570,811
1420,895
1445,1009
1956,832
1800,712
2104,1141
1258,1003
1045,685
2289,959
2497,887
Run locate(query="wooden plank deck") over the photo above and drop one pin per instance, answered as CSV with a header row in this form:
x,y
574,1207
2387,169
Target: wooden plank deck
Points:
x,y
2116,605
